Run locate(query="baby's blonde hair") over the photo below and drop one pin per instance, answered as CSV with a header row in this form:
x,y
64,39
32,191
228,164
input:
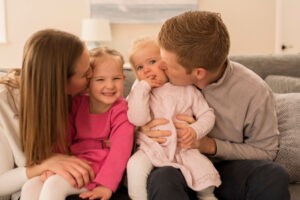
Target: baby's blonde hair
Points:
x,y
141,43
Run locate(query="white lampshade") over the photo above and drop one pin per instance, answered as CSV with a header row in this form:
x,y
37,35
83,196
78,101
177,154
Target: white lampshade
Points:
x,y
96,30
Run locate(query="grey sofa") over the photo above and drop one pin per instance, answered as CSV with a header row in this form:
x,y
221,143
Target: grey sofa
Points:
x,y
282,73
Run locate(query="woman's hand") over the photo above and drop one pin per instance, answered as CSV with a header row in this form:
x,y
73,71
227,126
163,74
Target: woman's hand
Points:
x,y
156,135
76,171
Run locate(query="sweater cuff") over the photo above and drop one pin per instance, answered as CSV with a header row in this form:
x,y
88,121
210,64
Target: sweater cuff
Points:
x,y
220,149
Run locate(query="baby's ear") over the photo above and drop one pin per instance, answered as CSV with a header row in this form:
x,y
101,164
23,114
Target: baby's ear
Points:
x,y
199,73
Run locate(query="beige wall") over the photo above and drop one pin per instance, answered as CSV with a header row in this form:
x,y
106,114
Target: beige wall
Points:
x,y
251,24
27,16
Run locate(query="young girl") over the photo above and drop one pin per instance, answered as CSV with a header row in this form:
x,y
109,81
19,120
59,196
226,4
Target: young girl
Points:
x,y
154,97
94,119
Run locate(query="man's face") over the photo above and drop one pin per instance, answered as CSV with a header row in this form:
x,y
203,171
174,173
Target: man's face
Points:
x,y
176,73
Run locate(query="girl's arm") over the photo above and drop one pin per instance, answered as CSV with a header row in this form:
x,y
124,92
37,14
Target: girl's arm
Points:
x,y
205,117
138,104
121,143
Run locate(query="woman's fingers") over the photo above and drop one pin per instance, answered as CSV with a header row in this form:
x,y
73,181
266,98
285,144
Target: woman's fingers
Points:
x,y
84,167
76,171
81,171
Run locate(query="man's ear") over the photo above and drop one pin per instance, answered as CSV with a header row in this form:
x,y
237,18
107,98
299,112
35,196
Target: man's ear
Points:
x,y
199,73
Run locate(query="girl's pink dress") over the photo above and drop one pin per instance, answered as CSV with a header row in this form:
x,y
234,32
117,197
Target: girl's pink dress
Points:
x,y
88,133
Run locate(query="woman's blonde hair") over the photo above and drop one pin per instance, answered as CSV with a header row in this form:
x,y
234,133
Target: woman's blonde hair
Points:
x,y
49,59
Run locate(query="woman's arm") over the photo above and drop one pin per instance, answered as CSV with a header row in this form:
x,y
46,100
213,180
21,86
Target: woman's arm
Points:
x,y
11,178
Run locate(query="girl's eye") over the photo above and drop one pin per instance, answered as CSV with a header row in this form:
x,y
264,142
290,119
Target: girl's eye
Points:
x,y
99,79
139,68
116,78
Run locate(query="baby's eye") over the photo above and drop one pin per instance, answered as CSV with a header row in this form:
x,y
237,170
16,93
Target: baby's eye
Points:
x,y
116,78
139,67
152,61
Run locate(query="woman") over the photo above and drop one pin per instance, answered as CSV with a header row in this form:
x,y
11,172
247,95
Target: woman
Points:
x,y
55,67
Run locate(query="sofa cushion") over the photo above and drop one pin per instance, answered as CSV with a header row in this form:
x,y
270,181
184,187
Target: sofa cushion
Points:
x,y
288,112
283,84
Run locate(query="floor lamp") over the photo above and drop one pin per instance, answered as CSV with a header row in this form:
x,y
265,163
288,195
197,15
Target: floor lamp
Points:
x,y
95,31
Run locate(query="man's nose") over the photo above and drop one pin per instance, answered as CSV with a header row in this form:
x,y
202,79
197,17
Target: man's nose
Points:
x,y
163,66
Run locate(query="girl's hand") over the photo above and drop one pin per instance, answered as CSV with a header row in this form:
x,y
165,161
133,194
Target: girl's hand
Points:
x,y
205,145
100,192
154,83
156,135
76,171
45,175
186,136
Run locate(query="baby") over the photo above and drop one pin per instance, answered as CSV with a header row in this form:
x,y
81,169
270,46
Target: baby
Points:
x,y
154,97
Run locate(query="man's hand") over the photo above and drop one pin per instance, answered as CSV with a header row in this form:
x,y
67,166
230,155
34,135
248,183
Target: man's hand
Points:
x,y
157,135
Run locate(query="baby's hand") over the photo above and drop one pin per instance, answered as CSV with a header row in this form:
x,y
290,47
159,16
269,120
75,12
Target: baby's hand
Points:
x,y
154,83
100,192
45,175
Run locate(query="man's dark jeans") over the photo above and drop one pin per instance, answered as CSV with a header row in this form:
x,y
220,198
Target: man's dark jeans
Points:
x,y
241,180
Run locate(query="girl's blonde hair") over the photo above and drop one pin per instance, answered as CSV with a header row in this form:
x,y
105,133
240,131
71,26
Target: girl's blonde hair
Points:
x,y
102,51
49,60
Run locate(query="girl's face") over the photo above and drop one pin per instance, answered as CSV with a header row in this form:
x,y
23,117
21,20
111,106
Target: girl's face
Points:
x,y
106,84
147,64
78,82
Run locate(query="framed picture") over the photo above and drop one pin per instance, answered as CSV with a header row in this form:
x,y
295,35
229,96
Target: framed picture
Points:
x,y
137,11
2,22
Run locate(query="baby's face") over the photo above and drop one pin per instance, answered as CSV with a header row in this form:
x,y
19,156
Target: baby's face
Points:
x,y
147,64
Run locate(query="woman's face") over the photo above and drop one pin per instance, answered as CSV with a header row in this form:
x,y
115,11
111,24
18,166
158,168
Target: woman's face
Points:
x,y
78,82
